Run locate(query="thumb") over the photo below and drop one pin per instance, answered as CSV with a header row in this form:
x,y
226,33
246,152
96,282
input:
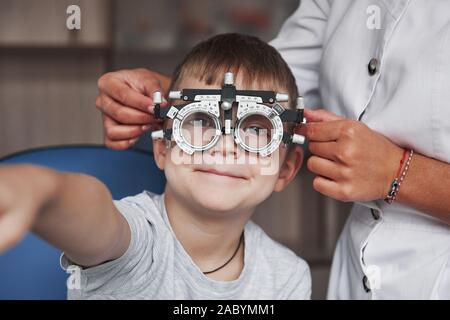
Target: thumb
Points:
x,y
144,82
148,83
320,115
150,87
13,227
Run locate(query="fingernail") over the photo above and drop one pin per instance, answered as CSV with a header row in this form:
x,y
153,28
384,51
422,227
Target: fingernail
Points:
x,y
133,141
146,128
151,109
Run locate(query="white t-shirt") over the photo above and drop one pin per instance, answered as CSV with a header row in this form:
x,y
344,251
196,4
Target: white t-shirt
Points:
x,y
156,266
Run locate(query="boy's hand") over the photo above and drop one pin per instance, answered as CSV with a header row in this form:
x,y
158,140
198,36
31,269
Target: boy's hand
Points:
x,y
24,190
125,99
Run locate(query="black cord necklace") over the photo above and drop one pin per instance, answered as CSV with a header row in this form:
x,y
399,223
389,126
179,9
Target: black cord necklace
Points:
x,y
241,240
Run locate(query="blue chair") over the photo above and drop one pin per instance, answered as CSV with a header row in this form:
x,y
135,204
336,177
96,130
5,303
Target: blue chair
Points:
x,y
31,270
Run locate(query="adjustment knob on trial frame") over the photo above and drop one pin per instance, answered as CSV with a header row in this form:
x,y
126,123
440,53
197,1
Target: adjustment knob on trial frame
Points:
x,y
300,103
175,95
157,97
298,139
229,79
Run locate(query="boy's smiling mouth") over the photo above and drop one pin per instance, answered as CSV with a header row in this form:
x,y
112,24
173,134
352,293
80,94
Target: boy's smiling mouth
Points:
x,y
223,173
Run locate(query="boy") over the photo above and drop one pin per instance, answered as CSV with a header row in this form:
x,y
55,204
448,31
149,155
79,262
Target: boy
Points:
x,y
193,242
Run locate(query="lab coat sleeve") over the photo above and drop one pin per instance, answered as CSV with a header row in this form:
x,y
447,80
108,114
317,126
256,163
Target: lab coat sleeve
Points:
x,y
300,43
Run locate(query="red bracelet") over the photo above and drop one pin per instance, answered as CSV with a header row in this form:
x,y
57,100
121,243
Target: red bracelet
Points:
x,y
396,183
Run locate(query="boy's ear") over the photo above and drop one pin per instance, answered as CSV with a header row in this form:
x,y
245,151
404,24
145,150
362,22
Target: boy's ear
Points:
x,y
289,168
160,152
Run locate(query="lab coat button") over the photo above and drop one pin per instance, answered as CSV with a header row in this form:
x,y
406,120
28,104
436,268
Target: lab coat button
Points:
x,y
375,214
366,284
373,66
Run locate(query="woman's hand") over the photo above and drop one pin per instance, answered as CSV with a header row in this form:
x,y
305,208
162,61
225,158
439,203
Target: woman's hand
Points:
x,y
125,99
352,162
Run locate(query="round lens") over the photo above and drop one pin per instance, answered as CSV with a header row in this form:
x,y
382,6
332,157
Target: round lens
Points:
x,y
198,129
255,131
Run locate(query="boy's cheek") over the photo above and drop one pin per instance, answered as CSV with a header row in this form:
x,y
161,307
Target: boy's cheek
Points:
x,y
270,166
263,187
159,153
165,157
177,157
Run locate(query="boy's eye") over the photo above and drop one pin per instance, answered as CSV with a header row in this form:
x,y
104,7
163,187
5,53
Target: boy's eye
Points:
x,y
256,126
255,130
200,122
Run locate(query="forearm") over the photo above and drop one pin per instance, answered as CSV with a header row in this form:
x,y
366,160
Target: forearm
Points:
x,y
82,220
427,187
73,212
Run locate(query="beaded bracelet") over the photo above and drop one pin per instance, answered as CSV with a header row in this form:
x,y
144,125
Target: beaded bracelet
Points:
x,y
397,182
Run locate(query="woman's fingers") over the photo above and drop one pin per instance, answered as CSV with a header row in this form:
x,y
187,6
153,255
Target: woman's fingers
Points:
x,y
332,189
320,115
121,113
322,131
126,106
114,86
326,150
146,82
324,167
120,145
117,132
121,137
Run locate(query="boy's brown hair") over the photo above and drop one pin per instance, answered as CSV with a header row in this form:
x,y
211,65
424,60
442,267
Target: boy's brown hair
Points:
x,y
261,65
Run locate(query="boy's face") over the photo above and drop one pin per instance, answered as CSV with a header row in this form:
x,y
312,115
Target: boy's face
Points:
x,y
225,178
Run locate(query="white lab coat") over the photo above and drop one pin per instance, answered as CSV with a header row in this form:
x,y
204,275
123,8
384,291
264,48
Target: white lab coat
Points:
x,y
385,251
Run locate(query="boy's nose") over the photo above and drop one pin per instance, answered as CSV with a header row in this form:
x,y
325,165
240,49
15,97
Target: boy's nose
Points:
x,y
226,147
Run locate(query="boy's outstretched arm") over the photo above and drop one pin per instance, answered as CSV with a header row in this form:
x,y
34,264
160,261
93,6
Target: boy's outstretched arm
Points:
x,y
73,212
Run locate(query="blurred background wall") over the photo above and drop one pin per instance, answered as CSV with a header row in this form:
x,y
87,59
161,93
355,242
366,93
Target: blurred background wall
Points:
x,y
48,85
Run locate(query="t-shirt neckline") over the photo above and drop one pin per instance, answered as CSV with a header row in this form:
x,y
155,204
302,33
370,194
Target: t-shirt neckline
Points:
x,y
199,279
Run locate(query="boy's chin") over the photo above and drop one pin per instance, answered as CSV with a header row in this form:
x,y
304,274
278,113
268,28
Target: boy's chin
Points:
x,y
224,203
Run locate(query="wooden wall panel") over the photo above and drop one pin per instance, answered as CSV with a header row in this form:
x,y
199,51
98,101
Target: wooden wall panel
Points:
x,y
48,99
43,22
